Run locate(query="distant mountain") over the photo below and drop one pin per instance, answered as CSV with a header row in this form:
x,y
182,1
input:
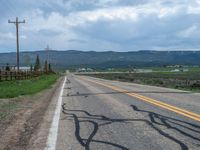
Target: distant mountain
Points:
x,y
72,58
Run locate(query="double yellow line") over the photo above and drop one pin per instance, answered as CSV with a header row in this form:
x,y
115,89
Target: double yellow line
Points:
x,y
172,108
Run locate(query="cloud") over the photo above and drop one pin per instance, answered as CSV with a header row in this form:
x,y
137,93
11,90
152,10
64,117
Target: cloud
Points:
x,y
189,32
7,36
77,41
102,24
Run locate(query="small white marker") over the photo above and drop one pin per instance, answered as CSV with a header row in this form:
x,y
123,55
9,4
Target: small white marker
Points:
x,y
53,132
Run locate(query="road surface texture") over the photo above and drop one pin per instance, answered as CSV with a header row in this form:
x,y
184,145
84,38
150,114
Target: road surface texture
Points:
x,y
99,114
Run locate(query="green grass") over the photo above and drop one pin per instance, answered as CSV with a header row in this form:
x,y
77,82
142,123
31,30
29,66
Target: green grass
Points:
x,y
10,89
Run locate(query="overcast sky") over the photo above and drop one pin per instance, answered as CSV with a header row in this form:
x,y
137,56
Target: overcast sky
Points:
x,y
101,25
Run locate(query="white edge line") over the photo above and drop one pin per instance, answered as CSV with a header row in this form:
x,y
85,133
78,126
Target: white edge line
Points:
x,y
52,137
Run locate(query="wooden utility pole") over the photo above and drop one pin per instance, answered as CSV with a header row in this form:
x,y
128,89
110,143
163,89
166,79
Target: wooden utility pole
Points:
x,y
17,37
47,50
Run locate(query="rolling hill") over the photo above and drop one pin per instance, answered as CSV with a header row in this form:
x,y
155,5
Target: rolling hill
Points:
x,y
108,59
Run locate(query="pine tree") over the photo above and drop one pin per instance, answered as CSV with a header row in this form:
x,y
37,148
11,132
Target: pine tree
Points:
x,y
37,64
50,70
7,67
46,66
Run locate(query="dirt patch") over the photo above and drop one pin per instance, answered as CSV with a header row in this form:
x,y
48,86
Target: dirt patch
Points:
x,y
22,122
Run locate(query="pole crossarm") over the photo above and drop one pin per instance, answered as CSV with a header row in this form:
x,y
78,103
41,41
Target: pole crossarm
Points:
x,y
16,22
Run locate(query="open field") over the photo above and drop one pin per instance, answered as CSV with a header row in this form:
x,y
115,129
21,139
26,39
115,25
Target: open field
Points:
x,y
189,80
169,69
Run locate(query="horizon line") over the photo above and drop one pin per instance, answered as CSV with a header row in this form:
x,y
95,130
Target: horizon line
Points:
x,y
151,50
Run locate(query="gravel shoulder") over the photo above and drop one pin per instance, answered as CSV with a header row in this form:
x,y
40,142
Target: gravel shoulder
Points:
x,y
25,117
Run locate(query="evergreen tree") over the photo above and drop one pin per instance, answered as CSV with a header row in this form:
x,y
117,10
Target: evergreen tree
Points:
x,y
37,64
46,66
7,67
50,70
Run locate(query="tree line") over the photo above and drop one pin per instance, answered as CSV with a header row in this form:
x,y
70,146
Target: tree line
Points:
x,y
37,66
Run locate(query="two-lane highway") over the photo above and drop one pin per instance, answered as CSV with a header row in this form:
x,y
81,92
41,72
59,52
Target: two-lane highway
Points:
x,y
102,114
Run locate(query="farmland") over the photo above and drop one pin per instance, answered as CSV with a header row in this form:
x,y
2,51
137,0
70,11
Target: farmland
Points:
x,y
189,80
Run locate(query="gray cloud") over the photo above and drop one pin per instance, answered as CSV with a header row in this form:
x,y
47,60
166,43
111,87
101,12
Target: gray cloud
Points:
x,y
77,41
102,24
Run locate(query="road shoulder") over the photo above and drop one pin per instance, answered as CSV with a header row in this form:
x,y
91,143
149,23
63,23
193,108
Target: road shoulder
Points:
x,y
29,125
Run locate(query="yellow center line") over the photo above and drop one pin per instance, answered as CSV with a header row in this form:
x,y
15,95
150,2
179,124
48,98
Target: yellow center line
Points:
x,y
175,109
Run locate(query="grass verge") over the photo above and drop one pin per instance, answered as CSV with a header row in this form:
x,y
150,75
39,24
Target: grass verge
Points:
x,y
10,89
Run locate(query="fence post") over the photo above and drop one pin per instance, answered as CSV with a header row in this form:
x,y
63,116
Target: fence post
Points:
x,y
11,76
17,72
20,75
15,75
26,74
6,75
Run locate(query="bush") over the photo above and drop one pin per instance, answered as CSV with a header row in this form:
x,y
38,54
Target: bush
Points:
x,y
195,85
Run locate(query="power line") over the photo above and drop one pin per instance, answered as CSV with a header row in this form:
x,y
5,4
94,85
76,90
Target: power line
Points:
x,y
17,37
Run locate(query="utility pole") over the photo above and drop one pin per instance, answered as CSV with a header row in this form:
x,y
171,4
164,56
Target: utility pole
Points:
x,y
17,22
47,50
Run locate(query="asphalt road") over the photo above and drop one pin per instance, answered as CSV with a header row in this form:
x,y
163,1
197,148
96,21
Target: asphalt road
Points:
x,y
109,115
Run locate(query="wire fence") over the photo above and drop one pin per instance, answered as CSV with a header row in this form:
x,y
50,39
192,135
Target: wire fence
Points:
x,y
21,75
